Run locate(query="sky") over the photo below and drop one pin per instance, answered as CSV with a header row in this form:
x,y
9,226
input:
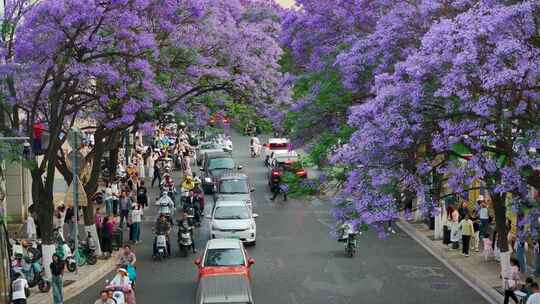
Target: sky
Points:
x,y
286,3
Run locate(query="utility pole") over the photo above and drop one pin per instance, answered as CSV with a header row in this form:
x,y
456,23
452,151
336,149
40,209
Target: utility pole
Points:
x,y
74,136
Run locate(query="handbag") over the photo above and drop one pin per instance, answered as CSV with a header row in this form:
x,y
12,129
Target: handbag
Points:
x,y
27,292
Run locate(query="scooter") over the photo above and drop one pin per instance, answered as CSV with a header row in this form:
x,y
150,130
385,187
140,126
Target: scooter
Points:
x,y
184,239
351,245
87,250
161,246
64,252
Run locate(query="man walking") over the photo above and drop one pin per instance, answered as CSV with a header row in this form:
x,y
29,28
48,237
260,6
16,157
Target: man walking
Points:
x,y
125,205
57,271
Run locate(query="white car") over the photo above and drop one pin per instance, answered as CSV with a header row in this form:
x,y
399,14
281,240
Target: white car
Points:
x,y
274,145
233,219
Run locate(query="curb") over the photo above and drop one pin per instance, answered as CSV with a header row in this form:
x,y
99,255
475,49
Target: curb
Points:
x,y
81,284
486,291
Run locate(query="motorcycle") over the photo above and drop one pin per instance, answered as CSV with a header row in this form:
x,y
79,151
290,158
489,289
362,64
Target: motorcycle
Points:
x,y
166,205
184,239
161,246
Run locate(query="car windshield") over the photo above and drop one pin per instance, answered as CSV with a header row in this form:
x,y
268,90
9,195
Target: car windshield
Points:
x,y
211,146
276,146
221,163
233,186
231,213
224,257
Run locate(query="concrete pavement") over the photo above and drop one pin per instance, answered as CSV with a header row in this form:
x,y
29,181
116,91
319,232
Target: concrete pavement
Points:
x,y
298,262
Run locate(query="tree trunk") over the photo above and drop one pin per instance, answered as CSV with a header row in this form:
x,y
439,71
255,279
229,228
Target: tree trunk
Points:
x,y
499,206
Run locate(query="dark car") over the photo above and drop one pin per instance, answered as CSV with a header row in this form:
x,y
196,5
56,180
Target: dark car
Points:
x,y
215,164
234,186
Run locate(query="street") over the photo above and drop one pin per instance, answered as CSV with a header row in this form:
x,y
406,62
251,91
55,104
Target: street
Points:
x,y
298,262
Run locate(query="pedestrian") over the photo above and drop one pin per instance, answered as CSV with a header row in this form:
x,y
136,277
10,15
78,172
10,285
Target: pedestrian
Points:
x,y
106,235
115,188
467,231
71,222
136,219
511,281
57,271
20,289
108,199
534,298
157,174
98,221
536,252
142,169
483,215
455,232
488,246
124,204
59,218
31,231
463,210
142,195
521,247
104,298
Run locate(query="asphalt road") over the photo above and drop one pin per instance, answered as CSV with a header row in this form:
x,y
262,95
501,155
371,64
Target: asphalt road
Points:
x,y
298,262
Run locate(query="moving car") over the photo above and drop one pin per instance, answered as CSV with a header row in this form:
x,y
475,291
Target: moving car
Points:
x,y
224,288
234,186
233,219
285,162
207,147
215,164
274,144
224,256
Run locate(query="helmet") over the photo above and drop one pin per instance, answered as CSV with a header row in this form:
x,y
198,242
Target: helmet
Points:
x,y
182,124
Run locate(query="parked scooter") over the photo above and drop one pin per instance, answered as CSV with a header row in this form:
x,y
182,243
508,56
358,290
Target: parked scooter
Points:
x,y
64,252
30,266
87,250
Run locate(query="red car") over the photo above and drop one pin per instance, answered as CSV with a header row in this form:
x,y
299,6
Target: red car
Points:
x,y
224,256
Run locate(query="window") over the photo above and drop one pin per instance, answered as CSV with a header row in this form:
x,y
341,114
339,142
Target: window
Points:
x,y
221,163
224,257
233,186
231,213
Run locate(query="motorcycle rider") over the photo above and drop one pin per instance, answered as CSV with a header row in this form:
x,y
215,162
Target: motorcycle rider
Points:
x,y
122,281
163,226
188,183
194,201
104,298
255,145
185,224
347,233
166,206
126,258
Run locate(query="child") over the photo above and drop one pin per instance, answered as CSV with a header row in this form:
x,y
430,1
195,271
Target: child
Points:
x,y
488,246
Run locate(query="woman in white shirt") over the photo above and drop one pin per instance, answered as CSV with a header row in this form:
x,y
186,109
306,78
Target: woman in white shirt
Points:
x,y
18,288
136,219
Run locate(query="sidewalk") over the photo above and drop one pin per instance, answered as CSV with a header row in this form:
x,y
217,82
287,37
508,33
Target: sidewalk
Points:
x,y
481,275
75,284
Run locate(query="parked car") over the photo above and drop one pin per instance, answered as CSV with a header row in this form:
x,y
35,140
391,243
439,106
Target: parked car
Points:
x,y
274,144
233,219
224,288
224,256
215,164
234,186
